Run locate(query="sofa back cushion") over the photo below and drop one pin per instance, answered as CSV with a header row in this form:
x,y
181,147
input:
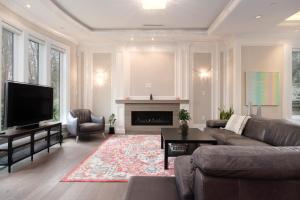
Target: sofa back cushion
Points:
x,y
250,162
283,133
83,115
256,128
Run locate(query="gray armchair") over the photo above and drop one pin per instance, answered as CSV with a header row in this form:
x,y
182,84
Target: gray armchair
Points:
x,y
82,122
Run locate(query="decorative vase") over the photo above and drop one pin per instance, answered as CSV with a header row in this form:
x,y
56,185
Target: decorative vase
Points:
x,y
184,127
111,130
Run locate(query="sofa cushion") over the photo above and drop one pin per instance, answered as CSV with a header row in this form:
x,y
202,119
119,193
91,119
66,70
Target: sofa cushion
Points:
x,y
283,133
152,188
221,135
216,123
256,128
90,127
244,141
184,174
248,162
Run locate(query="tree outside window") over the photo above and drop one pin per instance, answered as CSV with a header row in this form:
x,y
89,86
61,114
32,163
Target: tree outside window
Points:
x,y
7,64
33,62
55,60
296,82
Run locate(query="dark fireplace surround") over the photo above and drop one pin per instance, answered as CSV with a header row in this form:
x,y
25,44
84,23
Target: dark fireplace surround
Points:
x,y
152,118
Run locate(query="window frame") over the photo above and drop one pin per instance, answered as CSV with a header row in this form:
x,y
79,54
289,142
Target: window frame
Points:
x,y
20,72
294,116
17,50
39,61
61,55
13,50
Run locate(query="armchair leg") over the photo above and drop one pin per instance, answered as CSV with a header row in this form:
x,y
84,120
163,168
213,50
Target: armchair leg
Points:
x,y
77,137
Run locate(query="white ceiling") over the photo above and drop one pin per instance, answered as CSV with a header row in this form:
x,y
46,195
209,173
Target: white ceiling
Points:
x,y
92,21
128,14
242,20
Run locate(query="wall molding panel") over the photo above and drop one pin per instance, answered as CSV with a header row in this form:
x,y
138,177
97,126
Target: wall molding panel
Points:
x,y
120,74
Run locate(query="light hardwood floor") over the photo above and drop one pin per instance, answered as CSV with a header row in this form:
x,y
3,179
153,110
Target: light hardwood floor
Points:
x,y
40,180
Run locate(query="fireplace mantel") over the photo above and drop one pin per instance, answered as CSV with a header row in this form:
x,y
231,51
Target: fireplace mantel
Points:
x,y
135,101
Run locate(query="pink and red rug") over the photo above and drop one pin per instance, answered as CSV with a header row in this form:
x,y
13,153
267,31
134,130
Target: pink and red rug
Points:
x,y
120,157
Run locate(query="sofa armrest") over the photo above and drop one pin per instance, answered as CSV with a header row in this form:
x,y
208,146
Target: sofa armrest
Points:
x,y
184,173
72,125
248,162
98,119
216,123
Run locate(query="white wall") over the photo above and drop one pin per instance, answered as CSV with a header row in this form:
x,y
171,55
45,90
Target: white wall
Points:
x,y
202,88
102,84
263,59
260,54
164,69
152,73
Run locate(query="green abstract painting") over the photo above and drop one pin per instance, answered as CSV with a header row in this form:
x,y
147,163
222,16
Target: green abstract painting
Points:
x,y
263,88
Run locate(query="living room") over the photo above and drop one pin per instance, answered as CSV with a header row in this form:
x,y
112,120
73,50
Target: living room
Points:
x,y
150,99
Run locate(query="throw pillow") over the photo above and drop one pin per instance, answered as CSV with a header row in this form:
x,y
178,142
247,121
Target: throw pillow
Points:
x,y
237,123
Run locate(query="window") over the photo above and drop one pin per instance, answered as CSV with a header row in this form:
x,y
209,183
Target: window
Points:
x,y
296,82
33,62
55,63
7,64
7,55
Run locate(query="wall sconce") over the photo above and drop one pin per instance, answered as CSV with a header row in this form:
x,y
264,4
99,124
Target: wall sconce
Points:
x,y
204,74
101,77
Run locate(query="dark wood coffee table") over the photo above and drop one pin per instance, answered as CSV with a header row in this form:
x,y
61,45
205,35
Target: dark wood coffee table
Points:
x,y
174,136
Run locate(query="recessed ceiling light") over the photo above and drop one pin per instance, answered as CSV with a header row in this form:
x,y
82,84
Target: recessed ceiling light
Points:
x,y
258,17
154,4
152,38
28,5
131,38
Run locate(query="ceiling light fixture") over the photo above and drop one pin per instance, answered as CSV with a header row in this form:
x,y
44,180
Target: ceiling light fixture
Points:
x,y
28,5
154,4
152,38
258,17
294,17
131,38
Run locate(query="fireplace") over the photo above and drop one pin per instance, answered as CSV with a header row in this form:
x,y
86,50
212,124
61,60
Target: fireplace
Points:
x,y
152,118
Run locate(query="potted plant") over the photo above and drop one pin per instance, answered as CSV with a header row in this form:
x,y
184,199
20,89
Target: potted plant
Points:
x,y
184,117
225,114
112,121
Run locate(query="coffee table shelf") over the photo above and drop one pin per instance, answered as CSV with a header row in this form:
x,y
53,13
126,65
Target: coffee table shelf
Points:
x,y
174,136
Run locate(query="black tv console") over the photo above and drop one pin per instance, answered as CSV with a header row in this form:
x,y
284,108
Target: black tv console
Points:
x,y
23,143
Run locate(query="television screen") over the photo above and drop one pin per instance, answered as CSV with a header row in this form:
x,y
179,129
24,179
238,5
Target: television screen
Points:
x,y
27,104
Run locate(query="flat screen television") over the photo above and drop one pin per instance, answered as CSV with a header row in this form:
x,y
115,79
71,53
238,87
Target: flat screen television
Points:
x,y
27,104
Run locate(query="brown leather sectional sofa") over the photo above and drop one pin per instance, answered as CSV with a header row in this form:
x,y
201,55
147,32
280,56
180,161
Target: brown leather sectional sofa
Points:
x,y
261,164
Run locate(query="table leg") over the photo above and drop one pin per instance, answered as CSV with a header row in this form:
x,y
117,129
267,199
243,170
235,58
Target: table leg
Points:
x,y
161,141
166,154
60,135
31,146
48,140
9,154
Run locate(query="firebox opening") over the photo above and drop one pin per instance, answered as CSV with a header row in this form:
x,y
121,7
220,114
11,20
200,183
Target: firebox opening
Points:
x,y
152,118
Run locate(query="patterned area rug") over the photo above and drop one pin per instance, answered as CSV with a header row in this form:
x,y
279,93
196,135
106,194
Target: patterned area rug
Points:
x,y
120,157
